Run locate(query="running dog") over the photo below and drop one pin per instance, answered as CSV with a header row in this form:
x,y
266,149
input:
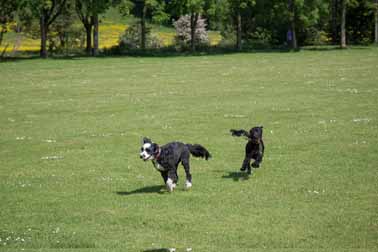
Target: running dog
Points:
x,y
166,159
254,149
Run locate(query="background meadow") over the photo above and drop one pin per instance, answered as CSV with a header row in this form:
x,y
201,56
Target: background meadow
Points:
x,y
71,177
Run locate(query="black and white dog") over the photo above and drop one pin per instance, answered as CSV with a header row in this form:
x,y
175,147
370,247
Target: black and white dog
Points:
x,y
166,159
254,149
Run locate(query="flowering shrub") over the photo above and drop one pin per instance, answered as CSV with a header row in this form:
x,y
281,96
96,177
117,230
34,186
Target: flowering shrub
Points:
x,y
183,32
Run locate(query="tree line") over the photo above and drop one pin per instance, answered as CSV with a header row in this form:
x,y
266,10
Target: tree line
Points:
x,y
244,23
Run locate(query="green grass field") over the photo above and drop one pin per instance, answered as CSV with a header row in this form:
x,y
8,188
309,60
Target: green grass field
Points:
x,y
71,177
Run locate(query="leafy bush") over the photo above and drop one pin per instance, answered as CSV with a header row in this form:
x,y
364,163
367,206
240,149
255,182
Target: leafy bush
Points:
x,y
228,38
259,39
131,39
316,37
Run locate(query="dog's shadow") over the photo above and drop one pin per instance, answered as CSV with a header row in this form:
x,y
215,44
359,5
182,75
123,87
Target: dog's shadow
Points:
x,y
158,250
237,176
147,189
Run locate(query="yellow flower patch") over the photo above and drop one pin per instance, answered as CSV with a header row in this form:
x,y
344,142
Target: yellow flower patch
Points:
x,y
109,36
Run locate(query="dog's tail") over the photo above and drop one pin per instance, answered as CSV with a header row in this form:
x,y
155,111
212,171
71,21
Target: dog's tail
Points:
x,y
239,133
199,151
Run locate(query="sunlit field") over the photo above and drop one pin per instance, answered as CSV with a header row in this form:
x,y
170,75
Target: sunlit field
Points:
x,y
71,177
109,35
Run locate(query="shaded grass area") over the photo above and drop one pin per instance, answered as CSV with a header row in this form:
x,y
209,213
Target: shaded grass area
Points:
x,y
71,130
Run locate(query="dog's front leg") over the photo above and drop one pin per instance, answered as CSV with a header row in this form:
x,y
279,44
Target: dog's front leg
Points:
x,y
164,175
258,160
259,155
246,164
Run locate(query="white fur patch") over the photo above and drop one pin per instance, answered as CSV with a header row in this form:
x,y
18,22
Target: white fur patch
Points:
x,y
188,185
170,185
158,166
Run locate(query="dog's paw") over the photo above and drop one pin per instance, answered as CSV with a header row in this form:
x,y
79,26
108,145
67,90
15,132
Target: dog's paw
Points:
x,y
243,169
188,185
170,185
255,165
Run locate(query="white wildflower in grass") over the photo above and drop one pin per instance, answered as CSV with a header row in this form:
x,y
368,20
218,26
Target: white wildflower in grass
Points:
x,y
52,157
56,230
316,191
234,116
357,120
50,141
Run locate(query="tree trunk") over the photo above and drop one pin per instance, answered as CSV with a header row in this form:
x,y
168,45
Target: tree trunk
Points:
x,y
342,28
3,52
143,28
44,28
239,31
334,20
88,30
292,29
193,28
95,35
376,22
18,40
2,31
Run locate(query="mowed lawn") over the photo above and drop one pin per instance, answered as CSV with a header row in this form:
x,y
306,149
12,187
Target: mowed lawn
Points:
x,y
71,177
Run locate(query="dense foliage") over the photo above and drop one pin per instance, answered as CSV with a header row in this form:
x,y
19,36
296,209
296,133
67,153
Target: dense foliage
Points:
x,y
243,24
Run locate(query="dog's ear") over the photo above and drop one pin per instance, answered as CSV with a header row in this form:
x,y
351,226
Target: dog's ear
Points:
x,y
261,130
146,140
155,148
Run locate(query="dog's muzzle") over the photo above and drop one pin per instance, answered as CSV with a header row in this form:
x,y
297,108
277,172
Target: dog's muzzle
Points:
x,y
144,158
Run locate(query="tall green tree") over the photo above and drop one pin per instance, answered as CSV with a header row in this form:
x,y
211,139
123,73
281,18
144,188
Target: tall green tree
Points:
x,y
46,11
145,10
303,15
345,4
236,8
88,12
63,31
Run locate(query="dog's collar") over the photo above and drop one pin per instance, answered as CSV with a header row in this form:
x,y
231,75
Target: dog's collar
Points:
x,y
157,157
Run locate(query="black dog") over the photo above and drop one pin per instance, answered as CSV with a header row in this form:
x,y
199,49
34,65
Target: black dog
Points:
x,y
166,159
254,149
